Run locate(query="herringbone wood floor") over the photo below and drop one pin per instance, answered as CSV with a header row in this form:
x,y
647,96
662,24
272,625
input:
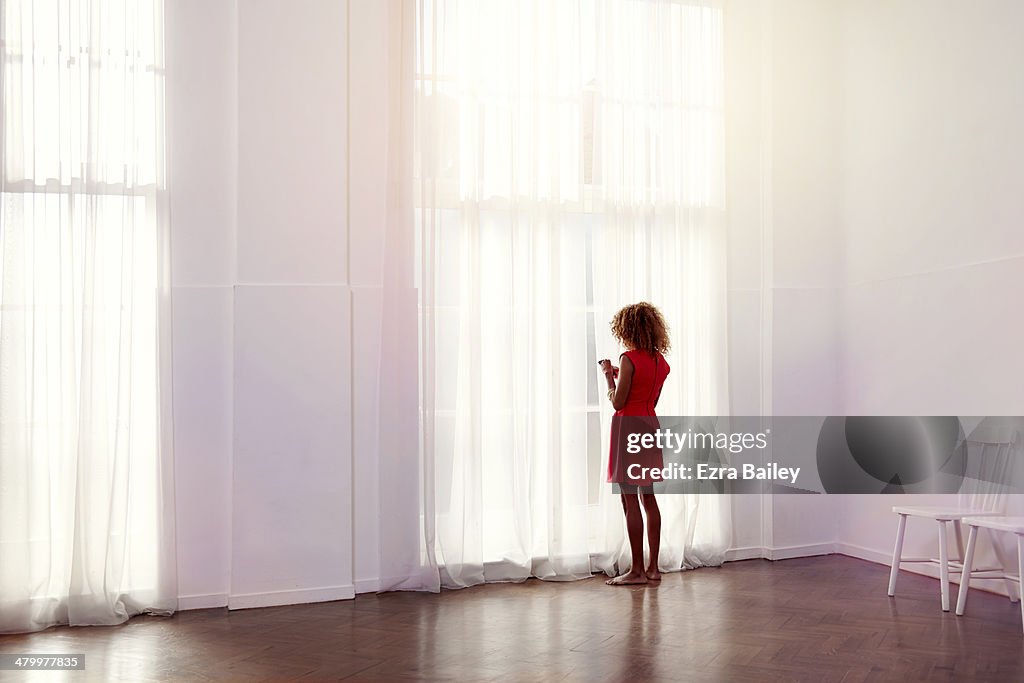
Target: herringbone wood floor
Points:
x,y
811,619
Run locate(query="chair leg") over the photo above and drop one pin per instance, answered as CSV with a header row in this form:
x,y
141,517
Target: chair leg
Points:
x,y
958,531
965,576
1020,568
1012,588
897,553
943,566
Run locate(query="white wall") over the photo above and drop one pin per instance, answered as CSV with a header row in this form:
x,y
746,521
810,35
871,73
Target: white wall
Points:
x,y
785,237
896,251
745,150
292,485
933,172
368,54
806,237
277,253
889,233
202,122
262,302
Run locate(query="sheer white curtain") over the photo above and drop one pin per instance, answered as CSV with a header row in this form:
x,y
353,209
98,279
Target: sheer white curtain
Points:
x,y
86,523
566,159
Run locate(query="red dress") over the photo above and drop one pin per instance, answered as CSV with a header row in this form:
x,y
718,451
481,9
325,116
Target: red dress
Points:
x,y
649,373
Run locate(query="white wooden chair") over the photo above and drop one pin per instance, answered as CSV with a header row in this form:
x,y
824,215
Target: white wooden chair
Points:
x,y
982,495
1013,525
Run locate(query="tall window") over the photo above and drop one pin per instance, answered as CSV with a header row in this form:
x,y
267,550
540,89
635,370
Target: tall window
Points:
x,y
84,524
568,160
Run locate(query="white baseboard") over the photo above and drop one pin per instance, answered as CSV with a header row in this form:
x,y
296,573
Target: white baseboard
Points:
x,y
187,602
862,553
789,552
882,557
291,597
750,552
997,586
367,585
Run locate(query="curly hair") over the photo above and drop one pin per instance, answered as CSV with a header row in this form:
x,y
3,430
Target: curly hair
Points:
x,y
641,326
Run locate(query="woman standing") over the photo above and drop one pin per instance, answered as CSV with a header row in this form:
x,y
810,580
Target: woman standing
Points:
x,y
641,373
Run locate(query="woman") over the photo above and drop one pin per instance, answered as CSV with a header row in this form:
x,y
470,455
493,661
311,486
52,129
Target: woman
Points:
x,y
641,374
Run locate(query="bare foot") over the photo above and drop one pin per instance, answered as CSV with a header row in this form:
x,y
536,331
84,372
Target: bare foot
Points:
x,y
629,579
653,574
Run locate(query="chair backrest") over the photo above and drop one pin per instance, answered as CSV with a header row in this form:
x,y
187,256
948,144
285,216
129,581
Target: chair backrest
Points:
x,y
991,455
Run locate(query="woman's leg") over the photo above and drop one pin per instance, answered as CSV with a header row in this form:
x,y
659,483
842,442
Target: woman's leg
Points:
x,y
653,533
635,532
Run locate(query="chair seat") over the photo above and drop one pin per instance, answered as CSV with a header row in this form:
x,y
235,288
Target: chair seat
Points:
x,y
941,513
1014,525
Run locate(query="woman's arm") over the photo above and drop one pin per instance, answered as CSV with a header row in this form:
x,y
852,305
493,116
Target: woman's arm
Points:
x,y
619,394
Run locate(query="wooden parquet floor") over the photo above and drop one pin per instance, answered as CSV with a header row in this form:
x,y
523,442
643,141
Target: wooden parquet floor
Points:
x,y
810,619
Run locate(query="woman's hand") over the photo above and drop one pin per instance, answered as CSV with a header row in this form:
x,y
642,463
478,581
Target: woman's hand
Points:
x,y
618,391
